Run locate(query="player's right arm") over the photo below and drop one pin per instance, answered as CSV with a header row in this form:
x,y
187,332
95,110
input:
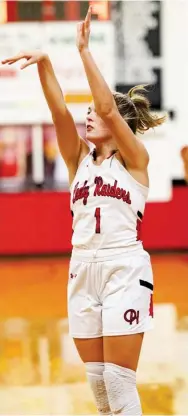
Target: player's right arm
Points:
x,y
70,144
68,139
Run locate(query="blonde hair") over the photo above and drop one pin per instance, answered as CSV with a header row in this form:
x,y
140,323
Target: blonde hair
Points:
x,y
134,107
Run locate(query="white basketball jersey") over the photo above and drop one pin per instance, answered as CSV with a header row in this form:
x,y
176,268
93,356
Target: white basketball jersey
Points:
x,y
107,204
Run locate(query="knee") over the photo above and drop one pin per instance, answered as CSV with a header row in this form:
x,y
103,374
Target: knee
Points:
x,y
94,373
121,390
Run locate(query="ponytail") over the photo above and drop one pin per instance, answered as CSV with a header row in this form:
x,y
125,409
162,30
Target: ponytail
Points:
x,y
145,118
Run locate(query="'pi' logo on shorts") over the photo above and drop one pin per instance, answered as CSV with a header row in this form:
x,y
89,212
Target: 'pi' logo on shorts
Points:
x,y
131,315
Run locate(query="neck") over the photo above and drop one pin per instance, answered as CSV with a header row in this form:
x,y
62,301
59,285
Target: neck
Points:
x,y
95,155
104,150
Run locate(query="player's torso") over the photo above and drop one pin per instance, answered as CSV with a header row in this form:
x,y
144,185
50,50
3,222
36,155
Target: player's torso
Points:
x,y
107,205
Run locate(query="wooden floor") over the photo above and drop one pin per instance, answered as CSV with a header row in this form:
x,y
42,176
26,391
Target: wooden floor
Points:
x,y
32,288
35,290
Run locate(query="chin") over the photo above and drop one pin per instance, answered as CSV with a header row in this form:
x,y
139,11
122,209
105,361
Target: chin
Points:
x,y
93,138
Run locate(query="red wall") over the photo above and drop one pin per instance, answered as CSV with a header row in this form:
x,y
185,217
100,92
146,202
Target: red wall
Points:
x,y
166,223
40,222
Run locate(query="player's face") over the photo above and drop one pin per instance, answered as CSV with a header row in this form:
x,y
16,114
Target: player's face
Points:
x,y
96,129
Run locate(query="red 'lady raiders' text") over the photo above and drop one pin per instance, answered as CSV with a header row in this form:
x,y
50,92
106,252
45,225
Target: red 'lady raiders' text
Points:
x,y
81,193
112,191
101,189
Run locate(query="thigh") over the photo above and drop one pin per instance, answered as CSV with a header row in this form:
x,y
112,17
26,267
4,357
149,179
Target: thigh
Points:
x,y
90,350
123,350
127,303
84,308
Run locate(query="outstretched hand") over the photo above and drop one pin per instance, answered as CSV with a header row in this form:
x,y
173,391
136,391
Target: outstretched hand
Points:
x,y
83,31
31,57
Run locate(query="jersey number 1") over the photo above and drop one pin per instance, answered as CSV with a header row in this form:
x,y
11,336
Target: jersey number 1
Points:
x,y
98,220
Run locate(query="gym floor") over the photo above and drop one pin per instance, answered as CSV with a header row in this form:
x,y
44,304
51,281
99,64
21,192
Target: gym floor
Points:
x,y
33,319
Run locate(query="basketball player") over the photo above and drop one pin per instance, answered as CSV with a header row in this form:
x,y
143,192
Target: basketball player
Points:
x,y
110,283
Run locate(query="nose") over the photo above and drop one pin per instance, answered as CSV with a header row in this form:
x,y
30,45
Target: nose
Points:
x,y
88,119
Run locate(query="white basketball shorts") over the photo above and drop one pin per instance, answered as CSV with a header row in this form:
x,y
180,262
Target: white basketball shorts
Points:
x,y
110,292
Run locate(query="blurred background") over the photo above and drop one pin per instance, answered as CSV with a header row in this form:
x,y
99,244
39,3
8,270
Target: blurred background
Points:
x,y
134,42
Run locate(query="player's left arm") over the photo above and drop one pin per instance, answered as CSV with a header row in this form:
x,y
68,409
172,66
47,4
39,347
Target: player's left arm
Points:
x,y
131,148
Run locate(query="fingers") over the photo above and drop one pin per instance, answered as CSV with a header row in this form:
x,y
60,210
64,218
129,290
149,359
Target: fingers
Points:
x,y
81,29
28,63
7,61
29,59
88,18
13,59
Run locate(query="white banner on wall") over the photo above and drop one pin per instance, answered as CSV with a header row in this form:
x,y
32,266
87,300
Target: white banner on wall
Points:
x,y
21,98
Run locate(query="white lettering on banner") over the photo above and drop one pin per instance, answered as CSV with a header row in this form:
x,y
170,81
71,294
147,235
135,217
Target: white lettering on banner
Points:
x,y
21,98
139,19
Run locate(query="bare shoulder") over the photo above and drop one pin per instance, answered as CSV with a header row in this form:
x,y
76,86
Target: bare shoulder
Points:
x,y
139,174
73,167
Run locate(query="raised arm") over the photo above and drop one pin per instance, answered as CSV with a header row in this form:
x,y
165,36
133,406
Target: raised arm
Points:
x,y
131,149
70,144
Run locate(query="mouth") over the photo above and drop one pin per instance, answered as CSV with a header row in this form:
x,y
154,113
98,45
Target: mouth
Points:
x,y
89,128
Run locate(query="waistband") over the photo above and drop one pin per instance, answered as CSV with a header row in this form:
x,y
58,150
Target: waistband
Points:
x,y
100,255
